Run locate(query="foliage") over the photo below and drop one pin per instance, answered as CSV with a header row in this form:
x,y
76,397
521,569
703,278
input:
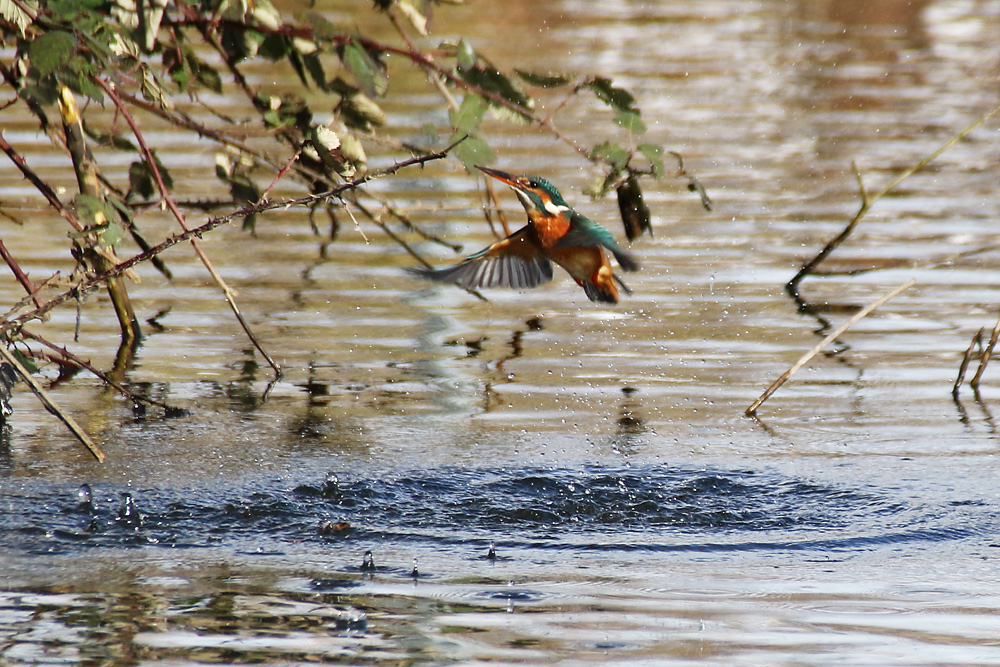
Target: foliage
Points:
x,y
148,58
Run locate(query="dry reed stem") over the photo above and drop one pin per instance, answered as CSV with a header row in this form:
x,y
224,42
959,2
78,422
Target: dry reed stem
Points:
x,y
100,257
752,410
984,359
51,405
867,201
964,366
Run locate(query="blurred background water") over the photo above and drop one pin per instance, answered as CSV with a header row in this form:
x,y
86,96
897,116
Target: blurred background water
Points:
x,y
635,515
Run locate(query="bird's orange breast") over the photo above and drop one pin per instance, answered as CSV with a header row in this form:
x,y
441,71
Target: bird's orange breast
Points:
x,y
550,229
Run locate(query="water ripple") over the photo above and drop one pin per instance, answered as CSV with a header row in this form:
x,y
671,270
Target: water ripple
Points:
x,y
655,508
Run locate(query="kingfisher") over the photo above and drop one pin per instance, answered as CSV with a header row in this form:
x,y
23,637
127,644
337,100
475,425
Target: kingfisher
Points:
x,y
554,233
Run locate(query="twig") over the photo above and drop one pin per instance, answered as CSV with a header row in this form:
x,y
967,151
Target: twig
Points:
x,y
50,405
492,203
281,173
984,359
92,282
227,292
40,185
752,410
414,55
977,340
867,201
104,377
21,276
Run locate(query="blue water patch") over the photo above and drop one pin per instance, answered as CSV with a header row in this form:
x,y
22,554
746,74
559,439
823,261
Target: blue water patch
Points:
x,y
589,507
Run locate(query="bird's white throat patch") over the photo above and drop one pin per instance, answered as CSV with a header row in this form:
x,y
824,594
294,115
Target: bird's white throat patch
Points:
x,y
555,209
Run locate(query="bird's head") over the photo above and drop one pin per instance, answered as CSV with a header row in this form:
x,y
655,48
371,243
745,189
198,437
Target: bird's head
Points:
x,y
537,195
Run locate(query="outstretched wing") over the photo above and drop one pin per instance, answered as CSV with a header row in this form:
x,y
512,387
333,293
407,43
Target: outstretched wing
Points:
x,y
585,232
513,262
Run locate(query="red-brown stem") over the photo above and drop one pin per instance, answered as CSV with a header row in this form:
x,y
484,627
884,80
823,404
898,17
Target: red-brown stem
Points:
x,y
40,185
109,89
21,276
86,365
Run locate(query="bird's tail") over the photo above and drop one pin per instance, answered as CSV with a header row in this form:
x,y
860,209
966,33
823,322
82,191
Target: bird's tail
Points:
x,y
606,293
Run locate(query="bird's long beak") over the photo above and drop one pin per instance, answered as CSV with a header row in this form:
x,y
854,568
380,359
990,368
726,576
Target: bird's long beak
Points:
x,y
503,176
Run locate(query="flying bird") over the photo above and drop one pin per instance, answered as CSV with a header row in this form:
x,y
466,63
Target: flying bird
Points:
x,y
554,233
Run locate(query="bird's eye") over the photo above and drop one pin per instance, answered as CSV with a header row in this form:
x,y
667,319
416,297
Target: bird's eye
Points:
x,y
533,185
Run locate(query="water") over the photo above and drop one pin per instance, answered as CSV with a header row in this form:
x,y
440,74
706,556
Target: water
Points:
x,y
637,516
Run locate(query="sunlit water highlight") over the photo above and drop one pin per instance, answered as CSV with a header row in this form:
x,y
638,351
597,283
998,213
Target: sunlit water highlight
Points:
x,y
637,516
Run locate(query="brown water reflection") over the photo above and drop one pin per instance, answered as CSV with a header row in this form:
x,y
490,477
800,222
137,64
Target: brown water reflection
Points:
x,y
769,102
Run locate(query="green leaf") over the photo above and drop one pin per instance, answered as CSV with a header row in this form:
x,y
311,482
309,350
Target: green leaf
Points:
x,y
69,10
26,361
168,180
618,99
473,152
544,80
206,75
368,72
99,215
469,115
110,236
322,29
428,131
314,66
46,92
653,153
274,47
123,211
611,153
112,140
631,122
490,79
465,56
51,51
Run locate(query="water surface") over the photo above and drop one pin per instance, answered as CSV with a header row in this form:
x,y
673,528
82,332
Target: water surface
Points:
x,y
636,516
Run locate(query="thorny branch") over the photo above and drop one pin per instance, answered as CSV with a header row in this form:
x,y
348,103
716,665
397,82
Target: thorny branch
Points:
x,y
109,89
91,283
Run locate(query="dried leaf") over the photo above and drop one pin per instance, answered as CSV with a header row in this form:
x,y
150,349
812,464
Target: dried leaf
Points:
x,y
634,212
21,14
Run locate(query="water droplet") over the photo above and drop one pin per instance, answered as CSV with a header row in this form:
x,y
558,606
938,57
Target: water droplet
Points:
x,y
84,498
128,513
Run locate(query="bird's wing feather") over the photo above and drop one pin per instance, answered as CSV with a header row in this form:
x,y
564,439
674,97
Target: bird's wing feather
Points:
x,y
585,232
512,262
